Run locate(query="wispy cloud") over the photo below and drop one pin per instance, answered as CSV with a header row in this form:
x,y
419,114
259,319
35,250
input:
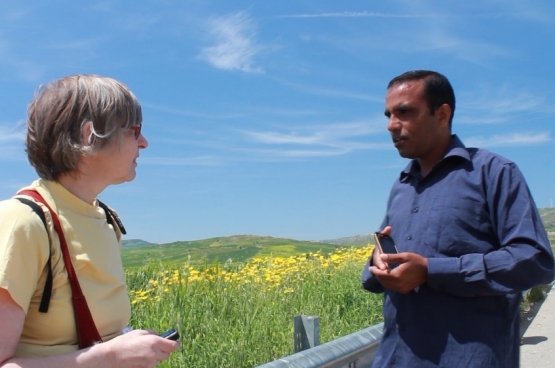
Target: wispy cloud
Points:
x,y
12,138
27,70
330,92
181,161
500,105
351,14
422,31
13,153
280,111
475,51
74,45
235,45
512,139
318,141
535,12
507,101
325,135
192,113
265,154
9,134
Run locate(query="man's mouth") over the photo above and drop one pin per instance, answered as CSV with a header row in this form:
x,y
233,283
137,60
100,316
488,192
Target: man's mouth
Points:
x,y
397,141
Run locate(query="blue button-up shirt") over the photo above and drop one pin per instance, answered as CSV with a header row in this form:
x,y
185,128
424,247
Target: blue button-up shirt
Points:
x,y
474,218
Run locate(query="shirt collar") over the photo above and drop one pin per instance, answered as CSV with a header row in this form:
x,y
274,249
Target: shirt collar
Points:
x,y
456,149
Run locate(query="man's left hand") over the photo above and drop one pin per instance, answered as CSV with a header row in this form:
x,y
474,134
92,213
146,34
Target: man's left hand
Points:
x,y
411,272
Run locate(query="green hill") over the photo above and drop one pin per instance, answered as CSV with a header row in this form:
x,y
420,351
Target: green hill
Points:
x,y
134,243
548,218
238,248
360,240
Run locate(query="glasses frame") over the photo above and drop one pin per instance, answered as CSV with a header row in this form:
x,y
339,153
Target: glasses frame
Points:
x,y
137,130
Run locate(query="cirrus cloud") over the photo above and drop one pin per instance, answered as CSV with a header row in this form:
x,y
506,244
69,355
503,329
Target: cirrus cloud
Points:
x,y
235,46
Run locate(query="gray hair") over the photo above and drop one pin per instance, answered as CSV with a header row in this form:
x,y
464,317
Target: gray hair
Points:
x,y
62,109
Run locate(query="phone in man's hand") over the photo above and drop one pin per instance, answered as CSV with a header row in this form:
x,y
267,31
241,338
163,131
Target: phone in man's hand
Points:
x,y
386,245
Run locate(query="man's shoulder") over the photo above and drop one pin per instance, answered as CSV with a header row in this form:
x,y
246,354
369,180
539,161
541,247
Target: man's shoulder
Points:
x,y
481,156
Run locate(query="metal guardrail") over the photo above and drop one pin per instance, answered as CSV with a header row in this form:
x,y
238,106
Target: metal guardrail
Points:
x,y
356,350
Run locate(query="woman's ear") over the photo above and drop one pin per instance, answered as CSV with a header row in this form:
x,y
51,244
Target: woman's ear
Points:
x,y
87,137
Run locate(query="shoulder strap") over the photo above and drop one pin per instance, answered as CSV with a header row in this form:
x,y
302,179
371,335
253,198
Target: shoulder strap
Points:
x,y
111,217
87,333
47,292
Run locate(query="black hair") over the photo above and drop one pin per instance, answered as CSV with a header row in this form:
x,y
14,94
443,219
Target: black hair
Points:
x,y
437,89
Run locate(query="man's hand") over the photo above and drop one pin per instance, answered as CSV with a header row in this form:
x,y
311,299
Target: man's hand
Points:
x,y
411,272
376,256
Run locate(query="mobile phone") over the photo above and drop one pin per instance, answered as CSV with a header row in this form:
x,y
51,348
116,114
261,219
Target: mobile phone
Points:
x,y
386,245
170,334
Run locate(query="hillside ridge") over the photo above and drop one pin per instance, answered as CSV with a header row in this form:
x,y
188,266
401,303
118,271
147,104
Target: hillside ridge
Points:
x,y
241,248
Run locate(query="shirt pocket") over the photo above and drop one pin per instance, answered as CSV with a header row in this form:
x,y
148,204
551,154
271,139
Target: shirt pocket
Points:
x,y
458,226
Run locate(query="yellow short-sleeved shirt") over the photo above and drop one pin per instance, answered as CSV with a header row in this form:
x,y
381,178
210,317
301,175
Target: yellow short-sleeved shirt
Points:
x,y
94,247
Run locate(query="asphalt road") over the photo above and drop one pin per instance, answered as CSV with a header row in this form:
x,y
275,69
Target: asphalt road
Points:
x,y
538,342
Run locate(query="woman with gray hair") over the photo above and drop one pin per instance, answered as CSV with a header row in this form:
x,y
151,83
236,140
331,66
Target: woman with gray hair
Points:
x,y
62,283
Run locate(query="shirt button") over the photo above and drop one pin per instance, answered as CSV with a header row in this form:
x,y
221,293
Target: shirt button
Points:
x,y
415,209
409,237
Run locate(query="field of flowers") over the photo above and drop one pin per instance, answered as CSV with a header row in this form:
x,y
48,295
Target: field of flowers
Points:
x,y
232,315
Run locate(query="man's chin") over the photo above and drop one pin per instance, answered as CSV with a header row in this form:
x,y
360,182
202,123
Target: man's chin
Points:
x,y
404,153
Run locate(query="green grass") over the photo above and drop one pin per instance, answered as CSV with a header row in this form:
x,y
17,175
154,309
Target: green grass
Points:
x,y
241,323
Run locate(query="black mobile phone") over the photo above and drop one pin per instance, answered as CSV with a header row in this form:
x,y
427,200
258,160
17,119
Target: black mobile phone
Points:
x,y
385,243
170,334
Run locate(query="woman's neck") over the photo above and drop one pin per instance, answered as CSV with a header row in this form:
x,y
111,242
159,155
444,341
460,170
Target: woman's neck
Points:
x,y
81,186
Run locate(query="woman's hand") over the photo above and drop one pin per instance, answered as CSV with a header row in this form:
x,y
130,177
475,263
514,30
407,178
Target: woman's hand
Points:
x,y
137,349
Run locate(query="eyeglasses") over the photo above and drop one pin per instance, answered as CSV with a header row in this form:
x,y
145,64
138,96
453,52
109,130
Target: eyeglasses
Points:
x,y
137,130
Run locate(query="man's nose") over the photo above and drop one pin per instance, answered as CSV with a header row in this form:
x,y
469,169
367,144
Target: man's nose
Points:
x,y
393,123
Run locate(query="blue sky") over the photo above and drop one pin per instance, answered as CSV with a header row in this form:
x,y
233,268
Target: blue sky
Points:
x,y
266,117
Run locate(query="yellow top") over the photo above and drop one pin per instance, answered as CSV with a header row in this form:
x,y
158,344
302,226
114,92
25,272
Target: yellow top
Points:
x,y
94,247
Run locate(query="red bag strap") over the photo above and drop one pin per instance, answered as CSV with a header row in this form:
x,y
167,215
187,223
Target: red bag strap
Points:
x,y
87,333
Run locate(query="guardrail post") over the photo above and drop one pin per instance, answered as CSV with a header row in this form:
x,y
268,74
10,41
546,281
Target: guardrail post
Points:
x,y
306,333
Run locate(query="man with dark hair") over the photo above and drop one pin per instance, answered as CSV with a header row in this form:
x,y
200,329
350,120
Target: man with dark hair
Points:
x,y
469,236
437,89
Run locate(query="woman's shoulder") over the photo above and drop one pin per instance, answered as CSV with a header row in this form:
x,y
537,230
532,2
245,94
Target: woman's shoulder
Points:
x,y
15,213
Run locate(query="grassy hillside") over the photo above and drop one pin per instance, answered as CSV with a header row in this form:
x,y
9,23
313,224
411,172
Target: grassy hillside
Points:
x,y
548,218
238,248
360,240
134,243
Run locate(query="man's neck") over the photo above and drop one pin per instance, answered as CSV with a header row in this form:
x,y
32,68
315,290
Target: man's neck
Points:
x,y
428,164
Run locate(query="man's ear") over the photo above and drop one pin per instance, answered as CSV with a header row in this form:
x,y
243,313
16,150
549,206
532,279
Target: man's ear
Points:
x,y
443,113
